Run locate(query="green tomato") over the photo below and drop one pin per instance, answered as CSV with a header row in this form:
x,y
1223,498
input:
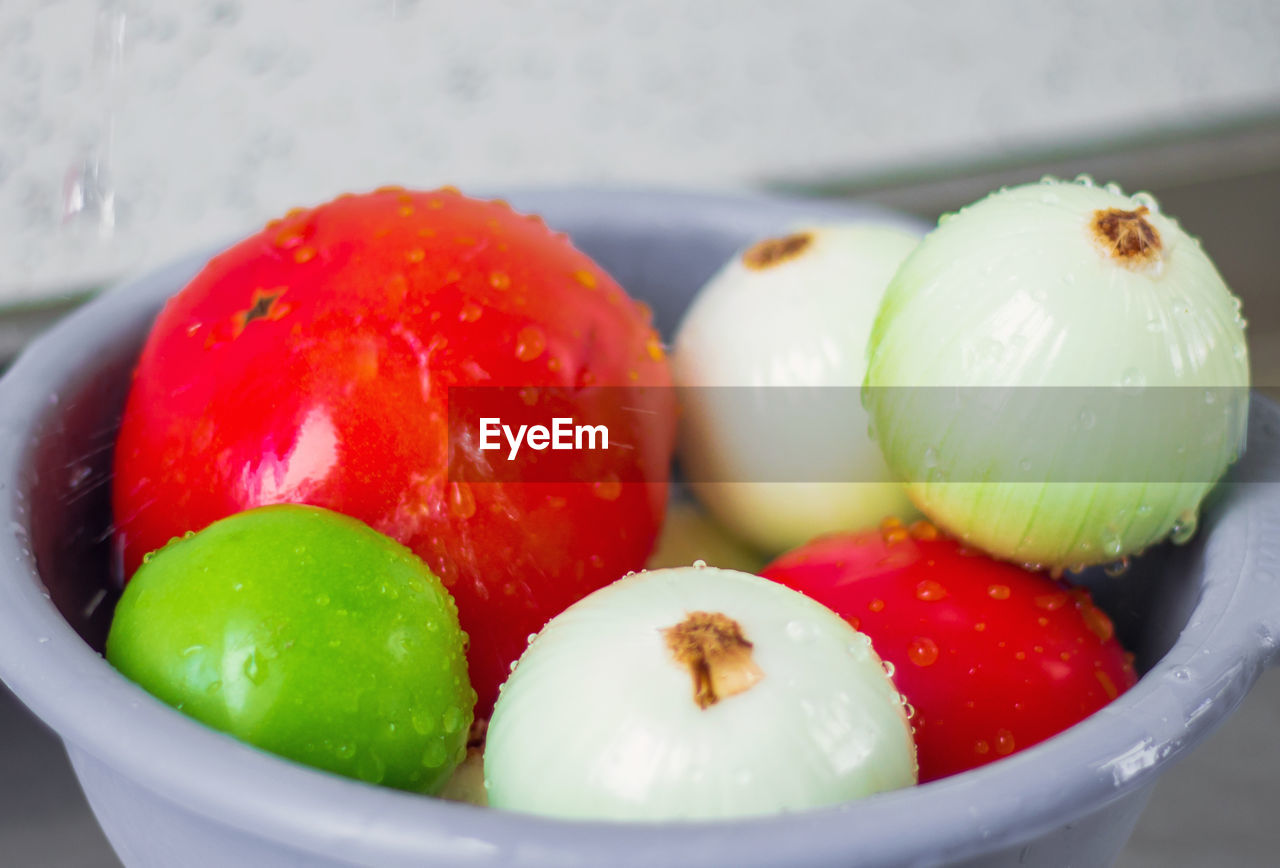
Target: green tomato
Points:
x,y
308,634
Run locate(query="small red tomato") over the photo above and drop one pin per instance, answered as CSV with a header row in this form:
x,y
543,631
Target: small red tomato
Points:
x,y
313,362
992,658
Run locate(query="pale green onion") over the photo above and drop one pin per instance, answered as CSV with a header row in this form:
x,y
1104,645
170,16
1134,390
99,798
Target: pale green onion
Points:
x,y
1102,371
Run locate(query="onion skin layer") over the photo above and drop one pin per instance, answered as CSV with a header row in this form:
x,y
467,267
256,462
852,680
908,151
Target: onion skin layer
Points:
x,y
1047,461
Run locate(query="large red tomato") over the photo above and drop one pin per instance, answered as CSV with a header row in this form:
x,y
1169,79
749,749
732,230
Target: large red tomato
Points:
x,y
992,658
312,363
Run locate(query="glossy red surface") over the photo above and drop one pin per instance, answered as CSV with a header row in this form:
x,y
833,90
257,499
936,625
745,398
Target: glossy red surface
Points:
x,y
992,658
312,363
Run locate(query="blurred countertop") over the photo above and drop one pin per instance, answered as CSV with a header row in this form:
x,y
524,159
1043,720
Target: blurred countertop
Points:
x,y
1216,807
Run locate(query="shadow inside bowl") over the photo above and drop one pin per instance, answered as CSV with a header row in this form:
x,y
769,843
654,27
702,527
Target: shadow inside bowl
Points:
x,y
69,492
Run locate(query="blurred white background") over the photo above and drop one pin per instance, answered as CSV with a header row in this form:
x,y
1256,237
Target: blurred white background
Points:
x,y
134,130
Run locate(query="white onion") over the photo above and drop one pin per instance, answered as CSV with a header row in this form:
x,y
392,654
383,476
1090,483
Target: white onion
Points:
x,y
1056,287
599,719
782,467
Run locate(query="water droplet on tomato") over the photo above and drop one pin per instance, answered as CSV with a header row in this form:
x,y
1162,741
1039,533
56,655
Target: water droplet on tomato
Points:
x,y
530,343
998,592
922,651
930,591
1004,742
923,530
608,488
1108,686
1096,621
462,502
1051,602
499,280
470,312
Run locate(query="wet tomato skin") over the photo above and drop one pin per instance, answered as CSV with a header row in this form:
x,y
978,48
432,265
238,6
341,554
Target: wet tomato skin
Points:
x,y
992,658
312,363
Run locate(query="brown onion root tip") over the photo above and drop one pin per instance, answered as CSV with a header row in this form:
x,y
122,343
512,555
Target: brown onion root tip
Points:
x,y
1127,235
716,653
772,251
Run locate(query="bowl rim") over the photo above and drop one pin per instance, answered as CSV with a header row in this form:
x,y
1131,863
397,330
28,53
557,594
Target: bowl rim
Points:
x,y
1230,636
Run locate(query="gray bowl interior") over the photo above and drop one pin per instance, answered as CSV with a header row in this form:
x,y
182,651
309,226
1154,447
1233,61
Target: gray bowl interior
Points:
x,y
1202,619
